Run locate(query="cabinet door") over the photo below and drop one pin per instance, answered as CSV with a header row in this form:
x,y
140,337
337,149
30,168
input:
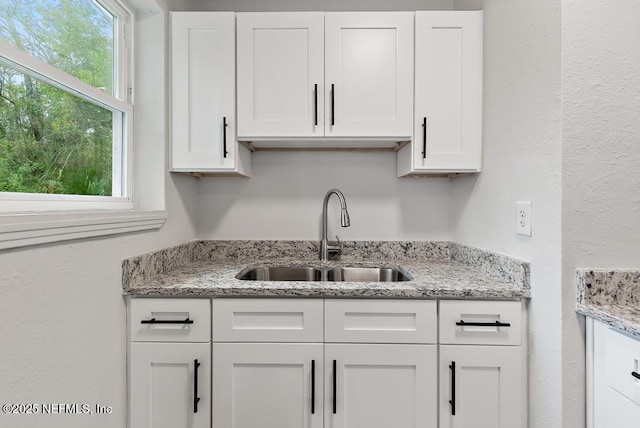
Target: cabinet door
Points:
x,y
203,91
264,385
616,390
380,386
280,74
369,74
448,97
616,410
165,383
480,386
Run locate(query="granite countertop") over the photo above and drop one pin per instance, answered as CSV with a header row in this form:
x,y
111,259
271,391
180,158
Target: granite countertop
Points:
x,y
611,296
439,270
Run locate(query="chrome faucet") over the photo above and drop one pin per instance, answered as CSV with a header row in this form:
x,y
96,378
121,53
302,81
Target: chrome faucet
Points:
x,y
325,248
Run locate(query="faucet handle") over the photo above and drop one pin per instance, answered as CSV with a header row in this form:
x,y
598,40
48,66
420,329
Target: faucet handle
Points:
x,y
335,250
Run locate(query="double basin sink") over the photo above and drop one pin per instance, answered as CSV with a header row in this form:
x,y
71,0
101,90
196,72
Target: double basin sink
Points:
x,y
332,274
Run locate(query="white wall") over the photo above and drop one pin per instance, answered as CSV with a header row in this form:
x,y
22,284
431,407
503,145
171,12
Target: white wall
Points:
x,y
284,198
521,162
601,150
63,336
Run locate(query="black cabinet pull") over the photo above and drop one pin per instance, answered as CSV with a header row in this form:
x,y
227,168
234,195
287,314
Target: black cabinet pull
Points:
x,y
424,138
224,137
333,99
452,366
313,387
155,321
196,364
484,324
335,386
315,103
636,375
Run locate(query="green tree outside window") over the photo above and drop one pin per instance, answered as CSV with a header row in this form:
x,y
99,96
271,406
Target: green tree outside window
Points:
x,y
52,141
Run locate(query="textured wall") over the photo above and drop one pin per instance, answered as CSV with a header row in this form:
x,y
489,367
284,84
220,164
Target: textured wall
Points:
x,y
521,162
284,198
601,155
63,335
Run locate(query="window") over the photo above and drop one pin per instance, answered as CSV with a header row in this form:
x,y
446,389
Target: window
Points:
x,y
65,108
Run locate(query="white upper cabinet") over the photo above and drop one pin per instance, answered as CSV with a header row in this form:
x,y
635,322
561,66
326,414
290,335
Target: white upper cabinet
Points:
x,y
280,74
203,93
369,74
447,127
323,75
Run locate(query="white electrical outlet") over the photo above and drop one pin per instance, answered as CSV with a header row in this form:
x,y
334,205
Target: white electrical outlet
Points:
x,y
523,218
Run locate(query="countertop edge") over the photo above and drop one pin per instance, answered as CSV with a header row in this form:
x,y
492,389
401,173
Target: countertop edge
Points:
x,y
606,315
330,292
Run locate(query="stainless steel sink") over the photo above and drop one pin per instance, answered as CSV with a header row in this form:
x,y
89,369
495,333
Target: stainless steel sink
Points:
x,y
366,274
305,273
337,274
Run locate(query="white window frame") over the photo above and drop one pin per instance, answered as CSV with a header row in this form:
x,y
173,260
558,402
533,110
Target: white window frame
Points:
x,y
33,218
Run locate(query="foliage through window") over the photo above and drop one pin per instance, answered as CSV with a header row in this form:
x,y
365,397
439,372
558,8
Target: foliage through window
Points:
x,y
58,136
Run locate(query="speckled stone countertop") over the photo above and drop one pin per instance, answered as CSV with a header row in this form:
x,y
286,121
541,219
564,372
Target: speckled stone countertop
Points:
x,y
611,296
439,269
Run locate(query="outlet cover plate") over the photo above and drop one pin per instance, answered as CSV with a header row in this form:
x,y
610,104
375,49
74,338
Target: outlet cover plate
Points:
x,y
523,218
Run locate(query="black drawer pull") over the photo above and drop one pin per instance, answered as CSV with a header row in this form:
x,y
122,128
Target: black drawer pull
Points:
x,y
155,321
224,137
315,103
636,375
452,366
424,138
313,387
196,364
335,386
333,104
484,324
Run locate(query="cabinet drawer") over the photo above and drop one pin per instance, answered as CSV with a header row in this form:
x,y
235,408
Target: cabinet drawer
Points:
x,y
267,320
622,359
381,321
479,317
170,320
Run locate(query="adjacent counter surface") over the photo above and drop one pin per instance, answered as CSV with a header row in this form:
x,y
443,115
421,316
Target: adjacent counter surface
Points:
x,y
439,269
611,296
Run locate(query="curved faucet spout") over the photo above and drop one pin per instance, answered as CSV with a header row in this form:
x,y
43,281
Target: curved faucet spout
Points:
x,y
344,222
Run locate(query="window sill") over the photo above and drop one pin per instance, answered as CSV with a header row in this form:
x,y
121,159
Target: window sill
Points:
x,y
21,230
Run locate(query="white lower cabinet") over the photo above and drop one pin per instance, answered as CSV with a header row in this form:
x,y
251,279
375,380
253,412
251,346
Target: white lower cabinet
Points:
x,y
480,386
334,363
263,384
283,385
613,377
266,385
380,386
170,385
169,363
482,381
